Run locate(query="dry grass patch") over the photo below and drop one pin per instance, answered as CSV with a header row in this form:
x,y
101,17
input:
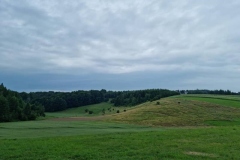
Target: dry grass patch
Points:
x,y
201,154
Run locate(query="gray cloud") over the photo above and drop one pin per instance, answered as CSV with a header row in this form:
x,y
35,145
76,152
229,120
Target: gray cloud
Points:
x,y
197,39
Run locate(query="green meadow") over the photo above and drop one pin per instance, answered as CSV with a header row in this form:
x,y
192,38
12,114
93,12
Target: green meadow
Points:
x,y
48,128
232,101
179,127
96,108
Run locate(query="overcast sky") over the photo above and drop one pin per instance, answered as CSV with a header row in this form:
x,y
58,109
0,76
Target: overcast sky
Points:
x,y
65,45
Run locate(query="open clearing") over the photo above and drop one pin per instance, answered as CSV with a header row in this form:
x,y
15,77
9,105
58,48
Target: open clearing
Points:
x,y
182,127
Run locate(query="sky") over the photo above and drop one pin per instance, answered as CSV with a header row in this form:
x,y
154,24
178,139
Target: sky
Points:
x,y
63,45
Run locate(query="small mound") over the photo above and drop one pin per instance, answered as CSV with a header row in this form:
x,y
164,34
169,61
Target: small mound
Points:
x,y
177,112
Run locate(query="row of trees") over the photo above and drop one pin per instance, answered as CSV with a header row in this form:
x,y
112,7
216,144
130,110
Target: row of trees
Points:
x,y
58,101
131,98
205,91
13,108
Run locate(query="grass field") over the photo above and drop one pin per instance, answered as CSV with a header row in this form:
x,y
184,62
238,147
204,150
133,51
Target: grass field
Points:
x,y
48,128
182,127
232,101
202,143
96,108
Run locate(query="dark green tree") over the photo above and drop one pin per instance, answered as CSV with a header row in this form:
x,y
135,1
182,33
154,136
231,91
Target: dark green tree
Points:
x,y
4,109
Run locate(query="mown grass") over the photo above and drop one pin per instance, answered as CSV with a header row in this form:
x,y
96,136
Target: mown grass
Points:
x,y
198,143
48,128
231,101
231,97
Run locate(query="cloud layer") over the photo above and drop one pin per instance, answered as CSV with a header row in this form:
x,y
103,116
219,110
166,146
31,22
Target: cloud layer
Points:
x,y
198,39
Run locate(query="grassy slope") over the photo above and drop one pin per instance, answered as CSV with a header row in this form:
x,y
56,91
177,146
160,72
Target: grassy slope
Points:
x,y
232,101
188,113
101,140
80,111
227,97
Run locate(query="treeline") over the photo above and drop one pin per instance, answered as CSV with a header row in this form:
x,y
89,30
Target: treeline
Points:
x,y
28,106
131,98
205,91
58,101
13,108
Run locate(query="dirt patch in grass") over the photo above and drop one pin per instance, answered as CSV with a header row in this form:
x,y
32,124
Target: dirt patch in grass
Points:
x,y
201,154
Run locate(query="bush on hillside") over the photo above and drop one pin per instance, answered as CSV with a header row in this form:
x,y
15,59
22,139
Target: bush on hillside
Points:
x,y
90,112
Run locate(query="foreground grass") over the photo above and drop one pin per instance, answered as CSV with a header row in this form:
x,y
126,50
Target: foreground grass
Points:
x,y
48,128
201,143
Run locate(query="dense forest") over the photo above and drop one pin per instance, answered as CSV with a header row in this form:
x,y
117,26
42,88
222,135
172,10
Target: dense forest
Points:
x,y
13,108
58,101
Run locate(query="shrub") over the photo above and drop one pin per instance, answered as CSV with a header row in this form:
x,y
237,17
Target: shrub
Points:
x,y
86,110
158,103
124,110
90,112
118,111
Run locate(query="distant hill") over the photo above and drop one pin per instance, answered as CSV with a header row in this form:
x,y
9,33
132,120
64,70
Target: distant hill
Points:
x,y
183,111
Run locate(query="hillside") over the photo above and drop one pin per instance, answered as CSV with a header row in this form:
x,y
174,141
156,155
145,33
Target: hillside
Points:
x,y
100,109
183,111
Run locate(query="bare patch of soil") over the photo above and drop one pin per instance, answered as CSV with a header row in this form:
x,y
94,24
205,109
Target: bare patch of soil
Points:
x,y
200,154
